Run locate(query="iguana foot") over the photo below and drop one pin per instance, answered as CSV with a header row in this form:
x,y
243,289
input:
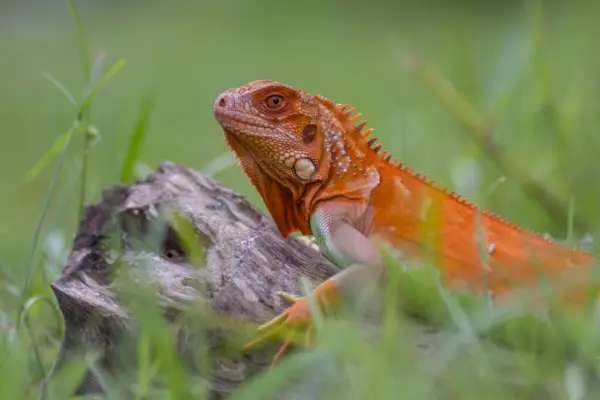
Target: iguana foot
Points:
x,y
294,324
289,324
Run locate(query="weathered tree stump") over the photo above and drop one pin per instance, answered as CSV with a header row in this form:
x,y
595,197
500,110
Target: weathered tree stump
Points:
x,y
246,263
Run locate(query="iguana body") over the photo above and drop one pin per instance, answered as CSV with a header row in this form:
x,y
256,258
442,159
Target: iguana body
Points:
x,y
319,173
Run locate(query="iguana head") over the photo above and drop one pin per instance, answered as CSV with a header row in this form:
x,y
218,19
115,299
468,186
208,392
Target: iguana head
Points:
x,y
296,148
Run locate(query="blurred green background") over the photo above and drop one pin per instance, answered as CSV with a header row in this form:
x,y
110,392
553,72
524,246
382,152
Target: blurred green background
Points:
x,y
532,65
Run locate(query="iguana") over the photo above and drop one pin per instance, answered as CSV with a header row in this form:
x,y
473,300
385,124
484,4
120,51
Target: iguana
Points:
x,y
320,173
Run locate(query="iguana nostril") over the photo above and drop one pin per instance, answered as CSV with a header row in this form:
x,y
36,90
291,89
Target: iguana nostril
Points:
x,y
222,100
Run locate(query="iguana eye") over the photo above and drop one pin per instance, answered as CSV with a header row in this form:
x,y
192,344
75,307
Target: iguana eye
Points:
x,y
275,102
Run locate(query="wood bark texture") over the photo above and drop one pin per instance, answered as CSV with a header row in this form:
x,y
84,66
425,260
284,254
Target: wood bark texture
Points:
x,y
246,262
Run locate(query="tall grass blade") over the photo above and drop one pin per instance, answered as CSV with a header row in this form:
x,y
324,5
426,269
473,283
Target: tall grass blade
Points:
x,y
30,266
82,41
60,87
58,145
136,140
96,87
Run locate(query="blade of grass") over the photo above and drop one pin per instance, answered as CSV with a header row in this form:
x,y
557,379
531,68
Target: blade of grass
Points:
x,y
136,141
190,239
36,349
146,368
60,87
30,266
264,386
570,236
84,117
105,78
82,41
76,128
56,148
218,164
61,140
144,305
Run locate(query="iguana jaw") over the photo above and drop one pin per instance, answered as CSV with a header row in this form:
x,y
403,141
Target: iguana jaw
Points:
x,y
243,124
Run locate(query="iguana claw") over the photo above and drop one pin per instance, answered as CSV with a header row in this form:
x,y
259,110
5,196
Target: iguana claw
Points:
x,y
290,298
294,320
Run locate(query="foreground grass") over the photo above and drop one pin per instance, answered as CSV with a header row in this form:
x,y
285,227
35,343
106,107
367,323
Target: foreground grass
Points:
x,y
529,96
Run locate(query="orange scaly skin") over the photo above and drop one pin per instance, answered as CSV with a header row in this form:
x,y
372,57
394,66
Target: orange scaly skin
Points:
x,y
319,173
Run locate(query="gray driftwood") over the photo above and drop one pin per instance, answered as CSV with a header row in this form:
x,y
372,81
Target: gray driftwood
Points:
x,y
246,259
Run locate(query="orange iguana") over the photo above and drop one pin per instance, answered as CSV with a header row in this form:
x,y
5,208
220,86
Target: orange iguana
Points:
x,y
319,173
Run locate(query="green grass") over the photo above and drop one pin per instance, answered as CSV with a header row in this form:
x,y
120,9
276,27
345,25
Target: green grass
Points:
x,y
526,72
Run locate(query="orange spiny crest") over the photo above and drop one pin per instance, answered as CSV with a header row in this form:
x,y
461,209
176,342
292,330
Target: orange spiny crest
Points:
x,y
462,200
355,118
425,179
361,126
500,219
495,216
438,186
347,111
387,157
328,103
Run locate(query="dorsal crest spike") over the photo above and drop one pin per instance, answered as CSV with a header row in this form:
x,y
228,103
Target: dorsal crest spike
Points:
x,y
355,118
372,141
367,133
328,103
377,148
437,186
361,125
350,111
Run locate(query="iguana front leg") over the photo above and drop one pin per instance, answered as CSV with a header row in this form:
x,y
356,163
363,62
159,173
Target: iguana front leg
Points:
x,y
345,246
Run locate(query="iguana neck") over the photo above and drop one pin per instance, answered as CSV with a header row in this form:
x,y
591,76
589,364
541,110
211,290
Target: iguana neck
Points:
x,y
350,159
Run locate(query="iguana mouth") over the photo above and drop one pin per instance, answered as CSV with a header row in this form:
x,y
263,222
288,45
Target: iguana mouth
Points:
x,y
240,121
242,124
